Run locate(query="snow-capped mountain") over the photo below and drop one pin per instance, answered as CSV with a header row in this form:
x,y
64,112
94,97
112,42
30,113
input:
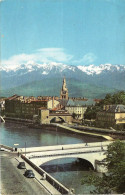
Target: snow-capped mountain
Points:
x,y
92,69
46,68
91,77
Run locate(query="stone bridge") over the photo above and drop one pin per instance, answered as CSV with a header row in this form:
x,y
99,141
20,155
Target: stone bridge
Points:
x,y
93,153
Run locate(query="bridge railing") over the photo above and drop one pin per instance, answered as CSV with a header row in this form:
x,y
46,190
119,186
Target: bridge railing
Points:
x,y
61,188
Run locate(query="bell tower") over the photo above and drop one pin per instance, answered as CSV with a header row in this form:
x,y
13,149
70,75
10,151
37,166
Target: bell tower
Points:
x,y
64,90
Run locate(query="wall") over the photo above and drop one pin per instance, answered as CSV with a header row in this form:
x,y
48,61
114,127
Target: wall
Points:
x,y
52,104
120,118
107,119
19,109
79,110
62,189
44,114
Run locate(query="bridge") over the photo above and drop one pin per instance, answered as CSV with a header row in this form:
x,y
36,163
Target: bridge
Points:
x,y
91,152
36,156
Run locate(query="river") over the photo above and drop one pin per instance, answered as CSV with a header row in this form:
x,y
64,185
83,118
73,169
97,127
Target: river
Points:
x,y
68,171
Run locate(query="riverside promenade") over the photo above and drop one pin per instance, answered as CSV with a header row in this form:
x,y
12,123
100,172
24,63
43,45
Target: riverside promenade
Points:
x,y
75,130
99,130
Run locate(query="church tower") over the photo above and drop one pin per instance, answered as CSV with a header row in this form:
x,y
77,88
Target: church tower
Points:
x,y
64,91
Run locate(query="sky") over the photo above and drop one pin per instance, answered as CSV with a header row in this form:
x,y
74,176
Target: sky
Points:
x,y
74,32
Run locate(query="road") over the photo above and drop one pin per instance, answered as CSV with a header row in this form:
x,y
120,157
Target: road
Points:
x,y
12,179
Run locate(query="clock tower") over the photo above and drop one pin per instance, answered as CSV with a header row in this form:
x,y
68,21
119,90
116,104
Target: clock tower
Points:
x,y
64,91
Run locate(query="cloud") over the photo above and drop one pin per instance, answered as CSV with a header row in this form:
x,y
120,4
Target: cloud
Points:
x,y
43,55
57,54
87,59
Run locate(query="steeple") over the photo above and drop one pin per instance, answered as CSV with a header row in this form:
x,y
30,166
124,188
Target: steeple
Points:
x,y
64,90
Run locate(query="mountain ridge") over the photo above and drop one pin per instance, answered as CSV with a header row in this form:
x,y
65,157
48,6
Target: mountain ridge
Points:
x,y
109,78
88,69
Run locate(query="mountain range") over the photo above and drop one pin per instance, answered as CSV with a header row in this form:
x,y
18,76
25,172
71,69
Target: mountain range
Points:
x,y
46,79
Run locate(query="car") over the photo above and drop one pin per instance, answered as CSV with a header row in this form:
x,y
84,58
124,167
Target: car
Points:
x,y
29,174
21,165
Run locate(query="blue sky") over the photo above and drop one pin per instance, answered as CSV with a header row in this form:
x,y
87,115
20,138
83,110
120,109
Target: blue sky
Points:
x,y
76,32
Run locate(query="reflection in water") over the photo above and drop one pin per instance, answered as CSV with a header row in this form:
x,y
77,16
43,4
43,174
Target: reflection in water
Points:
x,y
67,164
70,172
15,133
18,133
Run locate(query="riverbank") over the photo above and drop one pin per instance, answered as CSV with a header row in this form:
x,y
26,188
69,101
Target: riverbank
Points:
x,y
115,134
18,120
80,129
72,129
56,127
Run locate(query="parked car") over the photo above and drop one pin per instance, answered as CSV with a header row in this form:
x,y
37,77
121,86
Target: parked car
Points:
x,y
29,174
21,165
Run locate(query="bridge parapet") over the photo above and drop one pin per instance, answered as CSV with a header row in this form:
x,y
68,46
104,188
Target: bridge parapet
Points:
x,y
61,188
67,146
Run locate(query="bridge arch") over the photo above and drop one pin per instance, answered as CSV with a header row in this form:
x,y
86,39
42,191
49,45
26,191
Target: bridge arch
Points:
x,y
88,157
82,163
57,119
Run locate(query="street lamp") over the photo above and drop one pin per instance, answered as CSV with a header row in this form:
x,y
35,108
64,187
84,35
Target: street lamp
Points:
x,y
25,148
57,133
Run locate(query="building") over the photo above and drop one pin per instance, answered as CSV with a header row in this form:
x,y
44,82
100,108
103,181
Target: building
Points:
x,y
47,97
79,107
52,103
23,107
28,107
111,116
54,116
64,91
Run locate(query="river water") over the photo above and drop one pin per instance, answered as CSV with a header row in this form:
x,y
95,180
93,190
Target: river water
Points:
x,y
68,171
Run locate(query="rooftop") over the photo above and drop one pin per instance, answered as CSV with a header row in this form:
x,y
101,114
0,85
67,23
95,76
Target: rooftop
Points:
x,y
114,108
88,102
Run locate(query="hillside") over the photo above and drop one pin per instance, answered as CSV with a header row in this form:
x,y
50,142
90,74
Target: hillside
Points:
x,y
52,87
46,79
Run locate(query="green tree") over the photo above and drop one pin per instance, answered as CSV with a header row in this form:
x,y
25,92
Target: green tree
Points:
x,y
117,98
115,154
74,115
114,180
91,112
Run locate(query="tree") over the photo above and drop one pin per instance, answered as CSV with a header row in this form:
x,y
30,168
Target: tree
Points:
x,y
91,112
114,180
117,98
74,115
115,154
